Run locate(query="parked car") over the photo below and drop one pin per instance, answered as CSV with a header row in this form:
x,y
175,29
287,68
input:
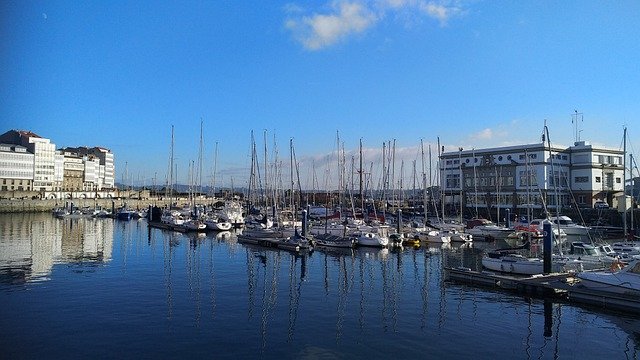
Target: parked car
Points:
x,y
600,205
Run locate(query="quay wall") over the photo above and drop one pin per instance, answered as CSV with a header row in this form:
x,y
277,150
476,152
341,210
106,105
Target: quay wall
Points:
x,y
46,205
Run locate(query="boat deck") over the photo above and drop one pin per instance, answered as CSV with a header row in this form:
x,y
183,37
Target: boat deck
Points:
x,y
561,286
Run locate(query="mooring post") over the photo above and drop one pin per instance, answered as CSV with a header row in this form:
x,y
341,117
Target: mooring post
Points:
x,y
546,248
304,223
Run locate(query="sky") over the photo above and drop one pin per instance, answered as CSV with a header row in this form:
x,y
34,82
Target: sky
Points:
x,y
315,74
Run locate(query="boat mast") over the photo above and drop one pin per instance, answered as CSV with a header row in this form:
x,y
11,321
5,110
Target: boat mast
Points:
x,y
555,182
424,183
360,171
631,228
475,181
200,160
266,176
624,181
170,182
215,169
460,179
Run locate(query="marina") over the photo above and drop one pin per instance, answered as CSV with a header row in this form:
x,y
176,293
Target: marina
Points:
x,y
141,291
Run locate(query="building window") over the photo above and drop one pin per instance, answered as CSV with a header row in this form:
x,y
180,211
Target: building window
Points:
x,y
582,179
598,179
618,181
581,199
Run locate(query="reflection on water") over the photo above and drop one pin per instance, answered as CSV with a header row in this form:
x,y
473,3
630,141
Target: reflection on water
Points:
x,y
193,295
30,245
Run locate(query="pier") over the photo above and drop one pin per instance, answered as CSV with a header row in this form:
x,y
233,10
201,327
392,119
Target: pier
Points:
x,y
560,286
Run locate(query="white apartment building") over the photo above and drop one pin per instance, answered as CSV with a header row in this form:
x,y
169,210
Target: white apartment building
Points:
x,y
29,162
16,168
533,176
106,168
44,156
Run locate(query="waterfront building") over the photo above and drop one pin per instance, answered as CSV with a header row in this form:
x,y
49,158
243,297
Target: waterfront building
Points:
x,y
30,163
73,175
16,168
43,151
104,178
538,177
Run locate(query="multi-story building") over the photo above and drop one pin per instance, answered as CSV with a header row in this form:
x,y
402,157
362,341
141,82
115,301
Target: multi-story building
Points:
x,y
106,169
29,162
16,168
73,175
44,156
533,176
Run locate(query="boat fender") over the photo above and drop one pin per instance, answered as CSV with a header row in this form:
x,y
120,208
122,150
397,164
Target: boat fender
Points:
x,y
616,265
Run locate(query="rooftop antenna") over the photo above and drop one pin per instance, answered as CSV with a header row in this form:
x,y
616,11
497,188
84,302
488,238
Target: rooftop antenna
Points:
x,y
576,119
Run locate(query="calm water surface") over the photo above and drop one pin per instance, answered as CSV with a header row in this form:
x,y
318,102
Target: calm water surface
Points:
x,y
103,288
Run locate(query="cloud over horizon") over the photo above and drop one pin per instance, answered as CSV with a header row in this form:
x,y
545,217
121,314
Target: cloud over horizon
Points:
x,y
345,18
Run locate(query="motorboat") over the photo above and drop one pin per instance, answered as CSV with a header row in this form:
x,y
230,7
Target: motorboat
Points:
x,y
483,228
625,281
172,218
626,248
233,212
217,224
377,236
459,236
590,255
435,236
194,225
125,214
569,227
521,265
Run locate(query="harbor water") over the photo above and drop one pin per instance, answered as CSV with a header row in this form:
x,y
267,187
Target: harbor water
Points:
x,y
103,288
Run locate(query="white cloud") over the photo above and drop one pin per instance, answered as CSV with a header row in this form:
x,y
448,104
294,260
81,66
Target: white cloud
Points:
x,y
441,11
319,31
349,17
485,134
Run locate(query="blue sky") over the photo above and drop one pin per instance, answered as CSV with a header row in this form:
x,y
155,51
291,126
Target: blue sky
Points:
x,y
475,74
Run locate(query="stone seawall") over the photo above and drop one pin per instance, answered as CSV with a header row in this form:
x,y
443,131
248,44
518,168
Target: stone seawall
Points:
x,y
37,205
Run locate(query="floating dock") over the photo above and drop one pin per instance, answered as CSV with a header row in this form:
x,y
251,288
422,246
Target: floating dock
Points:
x,y
561,286
268,242
165,226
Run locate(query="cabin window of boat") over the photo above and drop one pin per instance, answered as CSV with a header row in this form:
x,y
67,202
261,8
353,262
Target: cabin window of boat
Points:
x,y
593,251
